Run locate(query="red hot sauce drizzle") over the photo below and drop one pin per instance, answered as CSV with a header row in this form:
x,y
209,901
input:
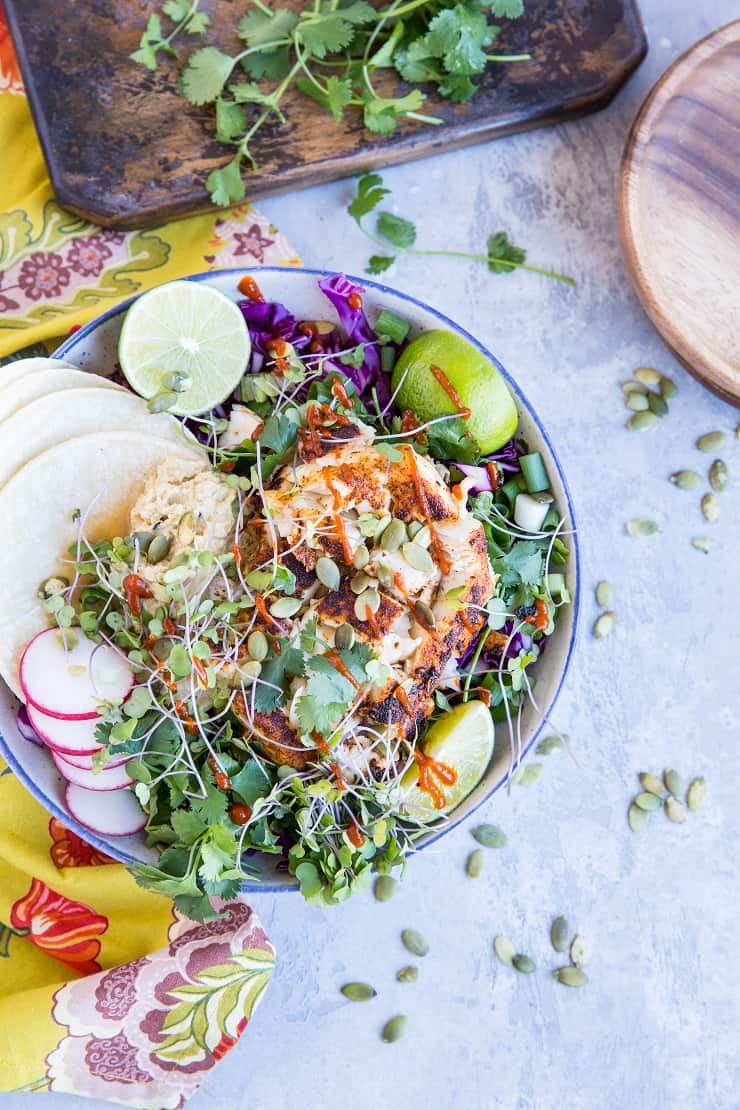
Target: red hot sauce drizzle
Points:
x,y
451,392
354,835
437,553
249,287
431,774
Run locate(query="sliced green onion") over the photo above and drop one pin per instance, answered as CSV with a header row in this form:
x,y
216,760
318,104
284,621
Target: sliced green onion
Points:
x,y
557,587
395,327
387,359
551,520
510,490
535,475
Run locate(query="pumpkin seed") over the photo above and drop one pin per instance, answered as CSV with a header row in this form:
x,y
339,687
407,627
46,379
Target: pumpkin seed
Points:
x,y
551,744
559,934
385,888
186,529
633,387
604,595
675,810
257,645
475,863
490,836
652,783
393,536
696,795
361,557
642,421
648,801
394,1029
360,582
673,781
647,375
417,557
571,976
408,974
667,387
358,992
159,548
524,964
686,479
415,942
530,774
161,402
641,526
638,818
657,405
143,539
327,573
710,507
504,949
701,543
344,637
423,537
385,576
578,951
604,624
413,527
637,402
252,668
718,475
425,615
286,606
711,441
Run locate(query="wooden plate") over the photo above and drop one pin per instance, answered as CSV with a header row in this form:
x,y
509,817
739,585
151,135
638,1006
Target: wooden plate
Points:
x,y
679,209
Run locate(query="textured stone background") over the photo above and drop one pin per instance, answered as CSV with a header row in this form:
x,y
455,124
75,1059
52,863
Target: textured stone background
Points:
x,y
656,1028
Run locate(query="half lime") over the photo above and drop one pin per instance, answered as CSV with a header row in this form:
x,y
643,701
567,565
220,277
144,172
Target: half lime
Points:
x,y
461,740
187,339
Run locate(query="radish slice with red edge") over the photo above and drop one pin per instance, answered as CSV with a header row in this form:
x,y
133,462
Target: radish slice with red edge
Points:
x,y
86,761
107,778
113,814
66,737
70,682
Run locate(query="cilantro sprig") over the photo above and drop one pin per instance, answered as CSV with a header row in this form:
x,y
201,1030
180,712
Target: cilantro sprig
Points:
x,y
330,53
501,257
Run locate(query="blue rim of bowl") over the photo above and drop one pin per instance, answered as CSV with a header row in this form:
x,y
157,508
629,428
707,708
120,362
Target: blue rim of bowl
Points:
x,y
377,287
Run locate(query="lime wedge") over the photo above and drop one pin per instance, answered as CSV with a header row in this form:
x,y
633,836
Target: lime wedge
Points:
x,y
188,339
479,385
461,739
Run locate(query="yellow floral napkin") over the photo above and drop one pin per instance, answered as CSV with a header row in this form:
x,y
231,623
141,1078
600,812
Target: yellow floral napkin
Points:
x,y
105,990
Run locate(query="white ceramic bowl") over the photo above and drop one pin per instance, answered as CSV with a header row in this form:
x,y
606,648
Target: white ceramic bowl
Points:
x,y
94,348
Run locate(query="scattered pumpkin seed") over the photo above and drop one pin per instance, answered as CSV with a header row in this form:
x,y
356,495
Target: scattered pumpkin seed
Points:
x,y
394,1029
696,795
686,479
578,951
186,529
163,401
710,507
327,572
657,405
286,606
652,784
344,637
415,942
551,744
524,964
393,536
159,547
633,387
530,774
490,836
257,645
667,387
413,527
559,934
358,992
640,527
252,668
638,818
361,557
143,539
701,543
425,614
423,537
718,475
604,595
673,781
384,575
648,801
417,557
637,402
366,604
642,421
504,950
675,810
408,974
384,888
647,375
475,863
359,582
711,441
604,624
571,976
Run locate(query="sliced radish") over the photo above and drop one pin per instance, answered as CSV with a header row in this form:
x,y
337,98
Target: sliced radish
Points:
x,y
107,778
112,814
66,737
86,761
70,682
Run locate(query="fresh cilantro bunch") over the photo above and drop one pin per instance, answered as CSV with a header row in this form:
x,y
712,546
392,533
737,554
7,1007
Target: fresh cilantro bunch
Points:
x,y
330,52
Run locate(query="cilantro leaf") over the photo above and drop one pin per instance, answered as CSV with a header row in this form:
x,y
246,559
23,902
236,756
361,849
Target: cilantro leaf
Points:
x,y
326,697
355,658
273,65
507,9
251,782
415,63
289,663
370,192
452,440
358,12
523,564
500,250
259,29
379,263
338,95
458,35
401,233
226,185
326,34
458,87
278,434
205,75
212,808
188,826
230,120
176,9
198,23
